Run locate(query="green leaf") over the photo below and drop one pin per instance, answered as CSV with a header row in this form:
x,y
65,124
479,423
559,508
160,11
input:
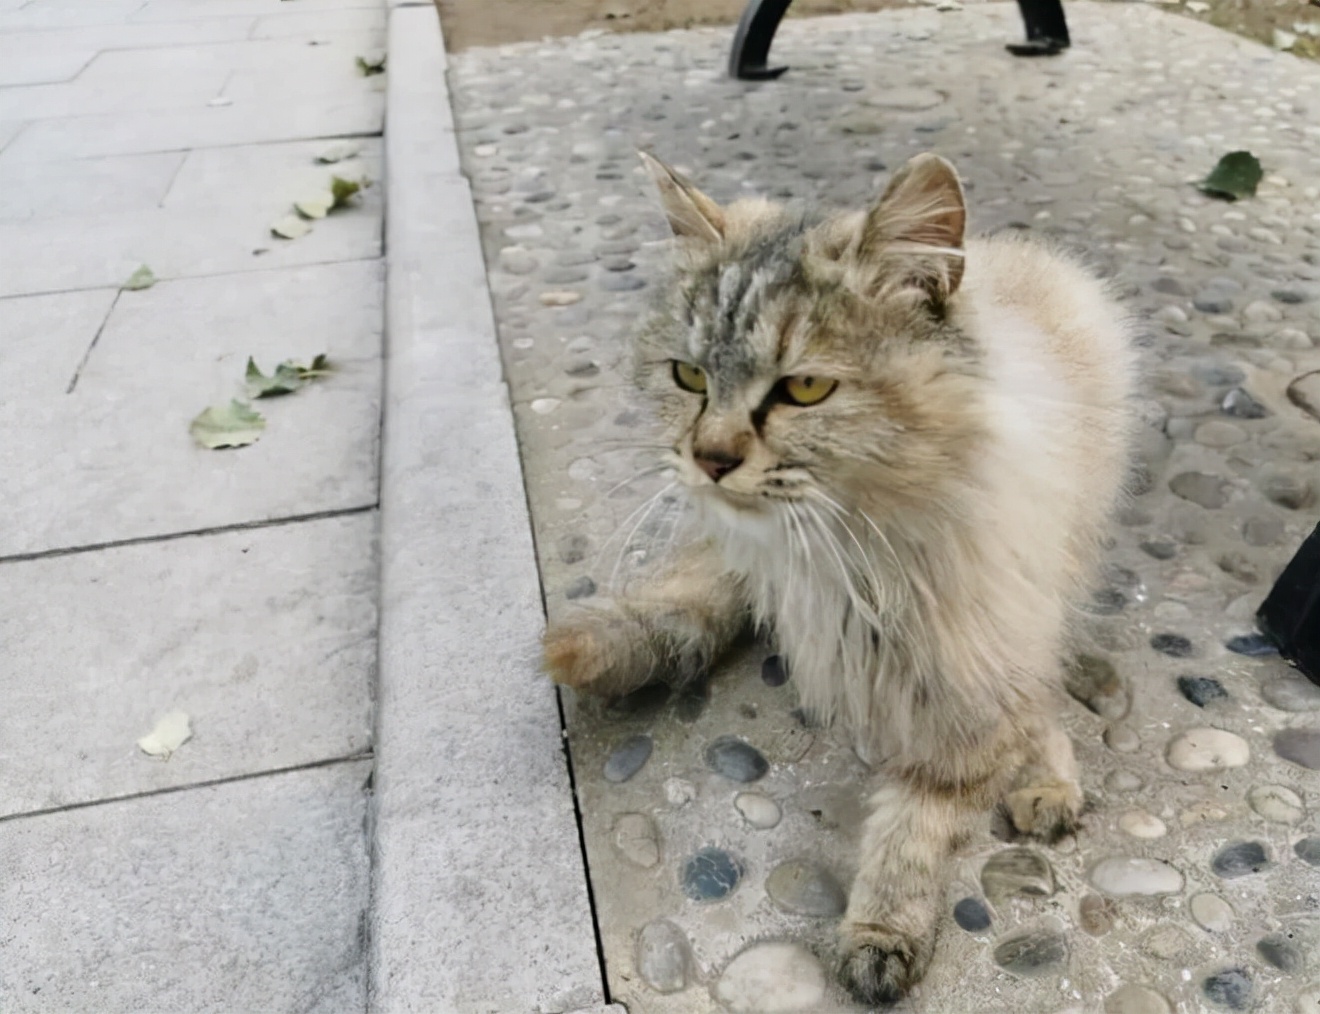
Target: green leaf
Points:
x,y
142,278
290,227
320,368
1236,175
286,379
339,152
372,63
232,425
341,190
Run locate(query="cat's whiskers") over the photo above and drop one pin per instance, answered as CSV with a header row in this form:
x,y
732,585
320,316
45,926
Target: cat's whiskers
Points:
x,y
653,470
645,510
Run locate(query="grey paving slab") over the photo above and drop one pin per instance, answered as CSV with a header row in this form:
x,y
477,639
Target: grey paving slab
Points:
x,y
86,187
265,637
319,24
288,172
91,38
44,338
114,81
114,460
45,14
23,64
1098,150
177,10
476,848
248,896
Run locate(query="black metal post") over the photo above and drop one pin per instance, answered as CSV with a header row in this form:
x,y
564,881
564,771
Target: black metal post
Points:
x,y
1047,28
751,42
1290,616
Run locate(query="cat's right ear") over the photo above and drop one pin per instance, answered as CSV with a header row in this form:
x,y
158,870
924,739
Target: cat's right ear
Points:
x,y
691,214
922,214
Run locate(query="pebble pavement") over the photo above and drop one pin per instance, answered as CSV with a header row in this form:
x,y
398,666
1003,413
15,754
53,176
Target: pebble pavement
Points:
x,y
719,822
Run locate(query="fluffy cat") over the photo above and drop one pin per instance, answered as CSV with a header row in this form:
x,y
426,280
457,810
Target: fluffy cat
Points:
x,y
903,447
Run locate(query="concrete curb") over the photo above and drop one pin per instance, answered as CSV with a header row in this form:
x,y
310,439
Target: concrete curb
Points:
x,y
479,888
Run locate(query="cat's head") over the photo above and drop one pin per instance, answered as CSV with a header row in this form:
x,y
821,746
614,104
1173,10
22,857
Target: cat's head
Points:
x,y
797,360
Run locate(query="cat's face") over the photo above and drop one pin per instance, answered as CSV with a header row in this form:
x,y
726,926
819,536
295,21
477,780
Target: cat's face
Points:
x,y
812,364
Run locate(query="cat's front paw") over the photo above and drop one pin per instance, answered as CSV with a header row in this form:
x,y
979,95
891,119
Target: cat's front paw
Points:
x,y
1048,812
597,652
880,965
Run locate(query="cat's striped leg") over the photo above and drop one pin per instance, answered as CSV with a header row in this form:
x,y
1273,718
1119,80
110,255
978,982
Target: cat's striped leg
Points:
x,y
671,628
1045,799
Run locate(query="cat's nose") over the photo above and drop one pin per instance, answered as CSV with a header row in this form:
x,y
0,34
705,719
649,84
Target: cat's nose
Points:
x,y
717,464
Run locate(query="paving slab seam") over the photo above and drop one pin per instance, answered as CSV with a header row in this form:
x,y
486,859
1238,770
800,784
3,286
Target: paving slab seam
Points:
x,y
242,526
168,790
476,853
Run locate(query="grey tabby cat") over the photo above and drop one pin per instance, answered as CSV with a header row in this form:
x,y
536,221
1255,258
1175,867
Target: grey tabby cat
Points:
x,y
903,447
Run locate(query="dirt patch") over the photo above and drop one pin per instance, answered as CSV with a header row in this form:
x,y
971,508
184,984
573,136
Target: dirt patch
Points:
x,y
494,22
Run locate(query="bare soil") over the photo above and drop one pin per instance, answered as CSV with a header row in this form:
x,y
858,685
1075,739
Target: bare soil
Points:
x,y
494,22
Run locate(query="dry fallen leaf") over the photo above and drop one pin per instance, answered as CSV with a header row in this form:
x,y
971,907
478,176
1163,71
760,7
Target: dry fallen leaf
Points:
x,y
232,425
372,63
170,733
339,152
142,278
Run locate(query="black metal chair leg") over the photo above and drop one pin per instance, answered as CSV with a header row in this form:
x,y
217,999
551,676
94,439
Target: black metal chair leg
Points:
x,y
751,42
1047,28
1290,616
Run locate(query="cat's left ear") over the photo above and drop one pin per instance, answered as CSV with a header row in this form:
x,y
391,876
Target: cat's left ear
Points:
x,y
921,214
691,214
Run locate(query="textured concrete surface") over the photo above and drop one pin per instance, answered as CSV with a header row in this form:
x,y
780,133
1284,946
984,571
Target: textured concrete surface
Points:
x,y
1192,887
480,899
246,896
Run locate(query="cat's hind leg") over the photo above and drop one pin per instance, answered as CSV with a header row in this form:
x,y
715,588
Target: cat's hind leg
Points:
x,y
888,932
671,628
1045,799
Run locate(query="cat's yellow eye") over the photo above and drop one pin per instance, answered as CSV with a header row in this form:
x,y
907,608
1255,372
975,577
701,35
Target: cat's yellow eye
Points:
x,y
808,390
689,377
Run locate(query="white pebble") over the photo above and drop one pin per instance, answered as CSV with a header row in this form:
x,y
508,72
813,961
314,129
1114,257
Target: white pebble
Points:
x,y
679,791
1277,803
1208,750
758,810
1211,912
1141,824
772,978
1126,876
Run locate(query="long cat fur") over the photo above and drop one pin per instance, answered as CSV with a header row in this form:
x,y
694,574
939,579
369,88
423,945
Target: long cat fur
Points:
x,y
916,542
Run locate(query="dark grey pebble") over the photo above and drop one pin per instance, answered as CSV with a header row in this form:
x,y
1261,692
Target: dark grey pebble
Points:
x,y
1202,690
1291,296
1160,549
580,588
1308,850
1240,859
1174,645
1241,405
735,759
1231,989
622,283
1107,602
710,874
1169,285
582,368
1218,374
1212,302
1251,644
1034,952
572,548
691,701
628,758
1281,952
618,264
1301,746
773,671
971,915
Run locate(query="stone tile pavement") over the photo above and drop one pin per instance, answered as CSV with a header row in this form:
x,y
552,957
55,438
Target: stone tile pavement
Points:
x,y
1194,886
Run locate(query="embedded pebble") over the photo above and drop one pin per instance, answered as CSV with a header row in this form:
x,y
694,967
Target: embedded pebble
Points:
x,y
758,810
1141,824
1160,549
1123,781
1167,941
1030,952
1134,999
1231,989
1095,682
1211,912
1016,870
679,791
1173,645
1301,746
1202,690
1207,750
1281,952
736,760
1096,914
805,889
1240,859
1288,491
636,837
1262,531
559,297
1203,812
1252,645
1277,803
1304,392
1241,405
580,588
971,915
1292,693
1216,433
710,874
663,956
628,758
774,672
1122,739
1209,491
772,978
517,261
1129,876
1308,850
